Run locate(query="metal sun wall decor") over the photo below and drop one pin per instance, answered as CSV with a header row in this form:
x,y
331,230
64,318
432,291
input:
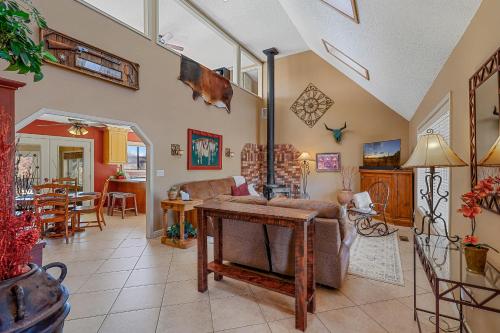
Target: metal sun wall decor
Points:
x,y
311,105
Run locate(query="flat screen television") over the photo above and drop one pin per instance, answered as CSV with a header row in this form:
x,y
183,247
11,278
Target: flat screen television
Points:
x,y
382,155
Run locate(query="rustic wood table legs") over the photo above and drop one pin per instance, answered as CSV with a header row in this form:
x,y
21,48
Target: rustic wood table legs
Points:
x,y
218,245
305,283
202,253
304,286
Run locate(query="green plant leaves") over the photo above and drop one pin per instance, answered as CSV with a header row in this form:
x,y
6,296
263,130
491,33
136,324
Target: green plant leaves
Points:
x,y
6,56
16,45
38,76
49,56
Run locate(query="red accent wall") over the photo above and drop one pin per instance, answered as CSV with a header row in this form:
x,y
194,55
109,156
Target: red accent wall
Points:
x,y
133,137
101,170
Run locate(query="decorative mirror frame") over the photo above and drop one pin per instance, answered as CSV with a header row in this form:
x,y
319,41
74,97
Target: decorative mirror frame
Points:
x,y
489,68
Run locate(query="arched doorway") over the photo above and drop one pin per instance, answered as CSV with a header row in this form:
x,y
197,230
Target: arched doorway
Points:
x,y
140,133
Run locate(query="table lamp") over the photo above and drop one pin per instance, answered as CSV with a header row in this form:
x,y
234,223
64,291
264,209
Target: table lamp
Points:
x,y
492,157
433,152
304,159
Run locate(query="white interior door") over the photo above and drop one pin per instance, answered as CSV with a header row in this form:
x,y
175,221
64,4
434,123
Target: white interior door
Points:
x,y
58,165
51,165
35,144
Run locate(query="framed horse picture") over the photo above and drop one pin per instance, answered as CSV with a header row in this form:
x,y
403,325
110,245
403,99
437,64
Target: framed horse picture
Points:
x,y
204,150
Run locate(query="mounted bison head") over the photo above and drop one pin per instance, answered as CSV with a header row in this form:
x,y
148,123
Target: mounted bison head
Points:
x,y
213,88
337,132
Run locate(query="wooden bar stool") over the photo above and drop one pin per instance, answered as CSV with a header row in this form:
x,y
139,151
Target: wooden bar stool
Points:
x,y
123,207
109,200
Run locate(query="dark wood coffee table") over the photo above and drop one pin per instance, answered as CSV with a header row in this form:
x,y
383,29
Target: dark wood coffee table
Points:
x,y
303,289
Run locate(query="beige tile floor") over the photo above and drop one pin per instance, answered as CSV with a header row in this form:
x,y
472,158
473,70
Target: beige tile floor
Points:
x,y
121,282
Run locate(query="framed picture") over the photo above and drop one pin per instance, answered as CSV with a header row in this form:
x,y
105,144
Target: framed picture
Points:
x,y
328,162
204,150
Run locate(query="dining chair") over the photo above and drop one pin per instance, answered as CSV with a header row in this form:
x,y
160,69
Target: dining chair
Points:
x,y
96,209
65,181
51,203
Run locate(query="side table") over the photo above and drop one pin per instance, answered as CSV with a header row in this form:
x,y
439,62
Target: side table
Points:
x,y
181,207
303,287
450,281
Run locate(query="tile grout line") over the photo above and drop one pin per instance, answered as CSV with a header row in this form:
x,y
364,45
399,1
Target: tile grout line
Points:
x,y
164,290
117,296
260,308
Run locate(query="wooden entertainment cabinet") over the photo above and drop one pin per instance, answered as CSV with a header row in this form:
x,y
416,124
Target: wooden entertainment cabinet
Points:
x,y
400,206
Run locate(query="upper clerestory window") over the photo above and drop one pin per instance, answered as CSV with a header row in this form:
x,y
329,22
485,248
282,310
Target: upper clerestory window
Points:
x,y
133,14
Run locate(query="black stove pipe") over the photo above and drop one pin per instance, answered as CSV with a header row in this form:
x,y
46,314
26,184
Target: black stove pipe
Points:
x,y
268,187
270,53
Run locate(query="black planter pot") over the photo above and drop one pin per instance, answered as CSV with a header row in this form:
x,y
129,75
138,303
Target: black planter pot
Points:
x,y
34,302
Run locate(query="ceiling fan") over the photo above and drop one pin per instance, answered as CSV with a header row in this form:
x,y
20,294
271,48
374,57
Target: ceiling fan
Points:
x,y
163,39
78,126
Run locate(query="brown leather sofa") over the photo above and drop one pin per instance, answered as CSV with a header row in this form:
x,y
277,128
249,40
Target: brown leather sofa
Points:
x,y
244,243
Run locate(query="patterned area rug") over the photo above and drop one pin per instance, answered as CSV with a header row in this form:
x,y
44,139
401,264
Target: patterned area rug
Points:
x,y
377,258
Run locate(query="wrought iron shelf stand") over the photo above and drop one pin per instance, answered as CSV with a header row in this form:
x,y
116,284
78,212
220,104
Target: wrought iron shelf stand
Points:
x,y
460,287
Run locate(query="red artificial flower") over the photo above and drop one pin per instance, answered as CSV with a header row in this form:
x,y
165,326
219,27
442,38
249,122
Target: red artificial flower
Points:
x,y
469,239
470,212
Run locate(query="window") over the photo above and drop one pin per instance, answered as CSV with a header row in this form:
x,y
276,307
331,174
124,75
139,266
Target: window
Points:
x,y
439,122
251,73
132,13
136,157
183,29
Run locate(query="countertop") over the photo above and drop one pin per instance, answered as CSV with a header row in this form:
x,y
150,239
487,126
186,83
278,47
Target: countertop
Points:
x,y
133,180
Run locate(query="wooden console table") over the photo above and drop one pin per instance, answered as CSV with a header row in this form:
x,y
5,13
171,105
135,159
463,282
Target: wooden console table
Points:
x,y
301,221
181,207
445,268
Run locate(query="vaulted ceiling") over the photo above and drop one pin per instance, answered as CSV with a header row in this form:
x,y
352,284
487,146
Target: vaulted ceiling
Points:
x,y
402,43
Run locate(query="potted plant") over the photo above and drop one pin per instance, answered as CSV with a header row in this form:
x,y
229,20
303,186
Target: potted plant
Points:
x,y
344,196
475,252
173,193
31,300
174,231
16,45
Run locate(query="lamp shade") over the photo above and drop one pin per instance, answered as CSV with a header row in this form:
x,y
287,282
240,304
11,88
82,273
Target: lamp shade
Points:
x,y
305,156
433,151
492,157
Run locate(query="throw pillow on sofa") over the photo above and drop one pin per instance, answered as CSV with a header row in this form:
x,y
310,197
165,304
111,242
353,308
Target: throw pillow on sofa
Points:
x,y
239,191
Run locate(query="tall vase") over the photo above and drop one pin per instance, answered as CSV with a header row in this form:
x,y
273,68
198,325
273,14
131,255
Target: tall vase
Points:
x,y
344,197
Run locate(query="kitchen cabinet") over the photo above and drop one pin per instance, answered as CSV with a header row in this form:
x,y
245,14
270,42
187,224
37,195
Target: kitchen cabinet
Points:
x,y
115,145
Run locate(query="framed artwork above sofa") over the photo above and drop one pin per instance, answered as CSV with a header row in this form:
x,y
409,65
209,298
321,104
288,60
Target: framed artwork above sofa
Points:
x,y
204,150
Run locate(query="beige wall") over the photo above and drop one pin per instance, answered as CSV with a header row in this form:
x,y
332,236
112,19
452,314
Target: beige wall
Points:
x,y
163,107
479,42
367,118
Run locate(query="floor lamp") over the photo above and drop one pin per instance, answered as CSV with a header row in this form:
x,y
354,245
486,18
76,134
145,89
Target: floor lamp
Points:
x,y
433,152
304,159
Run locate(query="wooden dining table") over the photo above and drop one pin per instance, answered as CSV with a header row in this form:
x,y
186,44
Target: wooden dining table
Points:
x,y
74,199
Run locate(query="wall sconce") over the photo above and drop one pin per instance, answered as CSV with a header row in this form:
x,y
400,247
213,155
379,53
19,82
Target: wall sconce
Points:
x,y
175,150
229,153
